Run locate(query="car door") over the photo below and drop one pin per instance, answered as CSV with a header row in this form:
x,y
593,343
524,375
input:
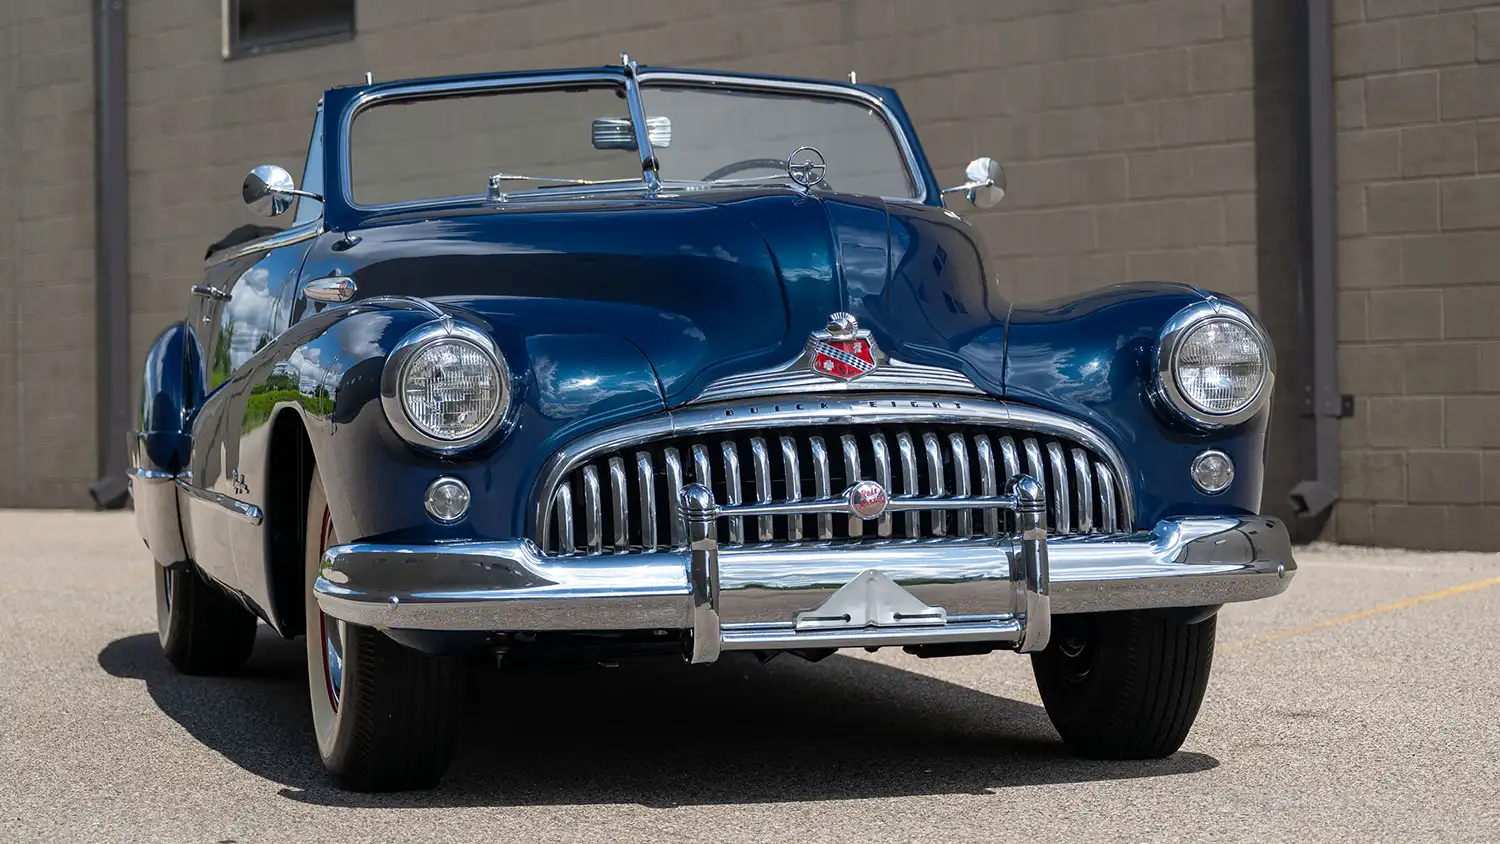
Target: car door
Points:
x,y
243,303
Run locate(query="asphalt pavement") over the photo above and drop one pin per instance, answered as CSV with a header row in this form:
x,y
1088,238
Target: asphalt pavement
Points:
x,y
1362,705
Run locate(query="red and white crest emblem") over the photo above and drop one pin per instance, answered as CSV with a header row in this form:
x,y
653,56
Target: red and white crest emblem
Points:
x,y
842,351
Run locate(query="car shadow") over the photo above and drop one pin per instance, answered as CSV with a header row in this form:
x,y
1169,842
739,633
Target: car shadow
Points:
x,y
654,733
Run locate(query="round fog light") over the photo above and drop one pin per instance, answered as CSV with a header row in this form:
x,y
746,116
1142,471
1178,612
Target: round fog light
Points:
x,y
1213,472
447,499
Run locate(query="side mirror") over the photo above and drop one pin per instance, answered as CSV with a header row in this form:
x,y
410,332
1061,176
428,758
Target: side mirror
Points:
x,y
269,191
984,184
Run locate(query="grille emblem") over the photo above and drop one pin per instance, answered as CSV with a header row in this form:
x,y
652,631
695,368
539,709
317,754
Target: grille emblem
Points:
x,y
867,500
842,351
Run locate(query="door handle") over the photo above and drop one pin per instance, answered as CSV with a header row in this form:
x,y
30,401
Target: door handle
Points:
x,y
210,292
333,288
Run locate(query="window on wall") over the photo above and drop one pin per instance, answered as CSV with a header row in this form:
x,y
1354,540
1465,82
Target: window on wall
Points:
x,y
259,26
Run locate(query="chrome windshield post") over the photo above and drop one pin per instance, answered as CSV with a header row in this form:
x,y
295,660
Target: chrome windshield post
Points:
x,y
696,503
1029,563
638,122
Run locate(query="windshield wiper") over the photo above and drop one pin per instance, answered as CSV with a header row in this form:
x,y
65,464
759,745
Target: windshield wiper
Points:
x,y
499,179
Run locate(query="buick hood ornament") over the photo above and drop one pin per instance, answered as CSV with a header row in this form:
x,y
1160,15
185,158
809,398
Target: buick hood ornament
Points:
x,y
842,351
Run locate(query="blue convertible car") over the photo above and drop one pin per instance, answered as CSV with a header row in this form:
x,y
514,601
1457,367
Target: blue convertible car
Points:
x,y
628,360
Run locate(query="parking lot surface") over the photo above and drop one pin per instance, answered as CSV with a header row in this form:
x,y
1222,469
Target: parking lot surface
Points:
x,y
1364,704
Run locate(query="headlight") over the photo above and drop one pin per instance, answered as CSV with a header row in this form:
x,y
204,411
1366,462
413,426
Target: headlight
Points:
x,y
445,387
1214,365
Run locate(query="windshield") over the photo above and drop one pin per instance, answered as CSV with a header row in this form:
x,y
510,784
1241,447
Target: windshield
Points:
x,y
450,146
720,134
543,140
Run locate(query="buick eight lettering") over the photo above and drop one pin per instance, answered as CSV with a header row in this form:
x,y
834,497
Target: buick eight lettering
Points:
x,y
629,360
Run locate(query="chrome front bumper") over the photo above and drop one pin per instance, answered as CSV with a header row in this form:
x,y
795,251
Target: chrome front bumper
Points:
x,y
791,597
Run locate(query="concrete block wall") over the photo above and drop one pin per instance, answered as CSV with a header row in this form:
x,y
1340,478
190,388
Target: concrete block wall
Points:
x,y
1126,128
48,456
1418,122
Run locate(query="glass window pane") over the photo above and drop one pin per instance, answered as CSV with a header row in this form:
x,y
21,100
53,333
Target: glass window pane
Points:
x,y
727,134
450,146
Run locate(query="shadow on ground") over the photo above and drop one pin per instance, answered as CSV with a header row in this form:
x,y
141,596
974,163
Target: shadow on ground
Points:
x,y
658,734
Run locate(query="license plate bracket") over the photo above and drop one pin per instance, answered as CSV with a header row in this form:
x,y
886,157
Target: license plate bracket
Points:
x,y
871,599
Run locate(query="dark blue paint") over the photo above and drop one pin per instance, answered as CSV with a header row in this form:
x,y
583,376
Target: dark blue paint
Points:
x,y
1091,358
168,387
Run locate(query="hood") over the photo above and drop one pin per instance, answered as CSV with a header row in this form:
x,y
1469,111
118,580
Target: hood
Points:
x,y
716,285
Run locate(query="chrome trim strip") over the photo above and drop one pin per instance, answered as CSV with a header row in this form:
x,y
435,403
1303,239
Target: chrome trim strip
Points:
x,y
641,127
1084,501
935,487
852,475
882,477
732,489
988,485
296,234
414,303
757,637
1010,458
792,466
152,475
841,505
889,410
593,509
565,519
703,473
909,485
1107,510
619,499
796,378
822,487
645,477
1034,466
1061,508
760,460
243,509
674,489
961,482
1183,562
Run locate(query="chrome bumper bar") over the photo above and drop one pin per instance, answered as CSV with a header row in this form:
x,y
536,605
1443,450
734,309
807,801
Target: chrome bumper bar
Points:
x,y
771,598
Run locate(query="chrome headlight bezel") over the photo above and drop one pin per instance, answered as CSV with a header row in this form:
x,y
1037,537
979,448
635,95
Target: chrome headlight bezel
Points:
x,y
444,330
1167,390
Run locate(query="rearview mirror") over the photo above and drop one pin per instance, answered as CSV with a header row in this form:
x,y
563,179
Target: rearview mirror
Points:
x,y
619,132
984,184
269,191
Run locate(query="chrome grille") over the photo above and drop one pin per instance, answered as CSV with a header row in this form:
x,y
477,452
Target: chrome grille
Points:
x,y
817,463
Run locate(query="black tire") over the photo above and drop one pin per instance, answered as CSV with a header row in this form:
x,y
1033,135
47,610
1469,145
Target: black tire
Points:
x,y
386,716
202,629
1124,685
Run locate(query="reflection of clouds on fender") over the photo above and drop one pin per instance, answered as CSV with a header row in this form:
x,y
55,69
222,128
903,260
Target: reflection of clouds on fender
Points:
x,y
250,311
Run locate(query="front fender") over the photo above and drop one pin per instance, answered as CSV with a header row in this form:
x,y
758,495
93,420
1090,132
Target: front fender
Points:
x,y
1091,357
328,370
160,443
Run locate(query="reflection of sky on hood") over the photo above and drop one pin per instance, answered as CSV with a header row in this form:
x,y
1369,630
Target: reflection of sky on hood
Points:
x,y
561,394
1087,380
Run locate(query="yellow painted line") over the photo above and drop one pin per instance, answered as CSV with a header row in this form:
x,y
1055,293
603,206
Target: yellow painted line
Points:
x,y
1364,614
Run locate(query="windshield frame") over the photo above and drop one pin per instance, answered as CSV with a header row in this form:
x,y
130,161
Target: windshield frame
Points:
x,y
387,93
